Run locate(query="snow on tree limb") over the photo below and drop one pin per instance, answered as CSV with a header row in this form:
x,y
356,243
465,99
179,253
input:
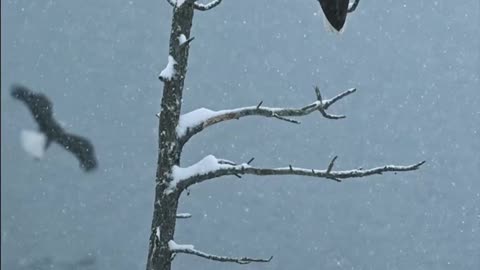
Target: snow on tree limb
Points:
x,y
174,247
183,41
184,215
208,6
180,3
169,71
195,118
190,249
207,165
194,122
197,6
211,167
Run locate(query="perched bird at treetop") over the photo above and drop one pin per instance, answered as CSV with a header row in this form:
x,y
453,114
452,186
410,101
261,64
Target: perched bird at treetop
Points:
x,y
50,130
335,13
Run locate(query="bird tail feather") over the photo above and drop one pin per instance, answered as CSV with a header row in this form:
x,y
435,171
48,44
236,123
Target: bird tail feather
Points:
x,y
330,28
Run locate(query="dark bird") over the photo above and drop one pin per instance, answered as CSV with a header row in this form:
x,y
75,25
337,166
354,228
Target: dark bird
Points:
x,y
41,109
336,12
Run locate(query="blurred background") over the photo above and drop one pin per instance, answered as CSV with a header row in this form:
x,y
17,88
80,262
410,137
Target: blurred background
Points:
x,y
415,65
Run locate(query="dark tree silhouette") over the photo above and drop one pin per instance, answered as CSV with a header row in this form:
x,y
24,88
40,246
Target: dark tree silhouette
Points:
x,y
41,109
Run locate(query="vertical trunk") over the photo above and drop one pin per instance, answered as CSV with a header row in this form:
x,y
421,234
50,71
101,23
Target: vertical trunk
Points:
x,y
159,257
165,205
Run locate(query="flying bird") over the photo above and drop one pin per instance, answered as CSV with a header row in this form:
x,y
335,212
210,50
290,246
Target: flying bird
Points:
x,y
51,131
336,12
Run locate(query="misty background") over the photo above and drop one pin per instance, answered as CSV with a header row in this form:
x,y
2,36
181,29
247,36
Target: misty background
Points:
x,y
415,65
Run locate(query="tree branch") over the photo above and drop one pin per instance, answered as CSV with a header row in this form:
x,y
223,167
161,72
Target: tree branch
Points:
x,y
210,167
184,215
189,249
353,6
198,6
322,109
194,122
205,7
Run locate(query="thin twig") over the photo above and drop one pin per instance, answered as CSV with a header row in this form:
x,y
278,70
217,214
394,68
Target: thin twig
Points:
x,y
285,119
187,42
330,102
172,3
330,166
259,104
322,109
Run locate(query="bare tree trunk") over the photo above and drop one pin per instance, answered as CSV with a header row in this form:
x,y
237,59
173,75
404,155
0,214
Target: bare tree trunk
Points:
x,y
175,131
165,205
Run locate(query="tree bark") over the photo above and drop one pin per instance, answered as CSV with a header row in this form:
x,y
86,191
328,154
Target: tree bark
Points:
x,y
165,205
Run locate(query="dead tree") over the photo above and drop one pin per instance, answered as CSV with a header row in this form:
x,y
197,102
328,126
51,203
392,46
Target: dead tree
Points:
x,y
175,130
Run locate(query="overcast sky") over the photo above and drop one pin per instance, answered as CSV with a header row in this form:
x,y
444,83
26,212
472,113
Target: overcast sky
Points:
x,y
415,65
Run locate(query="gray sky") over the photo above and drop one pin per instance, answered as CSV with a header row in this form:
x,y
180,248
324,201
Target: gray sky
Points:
x,y
416,67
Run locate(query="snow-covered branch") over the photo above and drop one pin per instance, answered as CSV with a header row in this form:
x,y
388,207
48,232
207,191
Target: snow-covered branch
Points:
x,y
194,122
169,72
353,6
197,6
183,41
211,167
179,3
208,6
189,249
184,215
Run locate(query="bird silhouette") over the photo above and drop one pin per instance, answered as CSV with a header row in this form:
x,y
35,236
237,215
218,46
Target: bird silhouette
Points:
x,y
41,109
336,12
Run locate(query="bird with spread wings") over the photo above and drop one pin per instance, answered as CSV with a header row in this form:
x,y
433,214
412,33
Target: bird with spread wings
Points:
x,y
41,109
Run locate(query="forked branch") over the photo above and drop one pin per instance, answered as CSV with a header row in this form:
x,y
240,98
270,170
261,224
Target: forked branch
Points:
x,y
194,122
189,249
211,167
